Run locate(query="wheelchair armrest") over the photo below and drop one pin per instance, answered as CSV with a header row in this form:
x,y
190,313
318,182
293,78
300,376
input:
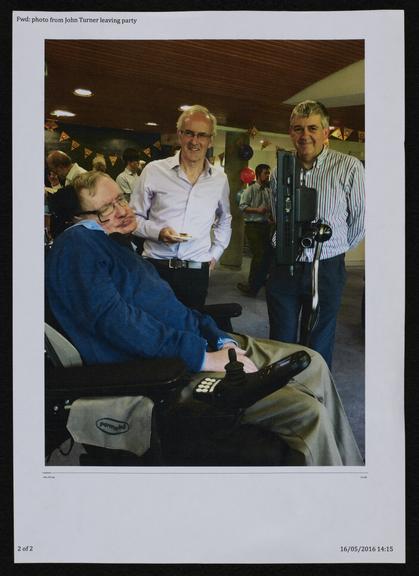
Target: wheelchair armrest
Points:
x,y
229,310
146,377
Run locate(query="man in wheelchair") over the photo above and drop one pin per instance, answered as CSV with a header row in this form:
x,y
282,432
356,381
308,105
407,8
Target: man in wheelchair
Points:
x,y
114,308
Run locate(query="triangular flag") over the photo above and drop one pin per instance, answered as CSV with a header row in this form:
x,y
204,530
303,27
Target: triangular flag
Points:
x,y
361,136
337,133
74,144
347,132
265,143
87,152
157,144
113,158
64,136
147,152
253,131
51,125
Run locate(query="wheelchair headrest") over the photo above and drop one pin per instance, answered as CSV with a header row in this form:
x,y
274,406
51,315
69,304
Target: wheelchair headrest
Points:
x,y
64,204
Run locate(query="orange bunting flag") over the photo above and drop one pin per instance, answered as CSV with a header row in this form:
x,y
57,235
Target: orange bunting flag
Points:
x,y
361,136
157,144
64,136
147,152
265,143
253,131
113,158
346,133
337,134
87,152
74,144
51,125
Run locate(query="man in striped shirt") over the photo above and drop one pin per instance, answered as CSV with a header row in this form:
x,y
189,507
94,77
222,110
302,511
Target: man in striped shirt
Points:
x,y
339,181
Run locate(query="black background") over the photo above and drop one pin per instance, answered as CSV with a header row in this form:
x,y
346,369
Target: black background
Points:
x,y
412,299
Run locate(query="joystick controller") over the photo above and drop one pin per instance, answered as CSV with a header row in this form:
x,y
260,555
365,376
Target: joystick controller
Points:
x,y
240,390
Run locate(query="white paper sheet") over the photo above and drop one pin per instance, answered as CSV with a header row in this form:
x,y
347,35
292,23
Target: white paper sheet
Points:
x,y
230,515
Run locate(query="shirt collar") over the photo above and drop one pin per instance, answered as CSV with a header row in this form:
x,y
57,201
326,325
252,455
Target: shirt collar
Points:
x,y
130,172
320,158
90,224
174,162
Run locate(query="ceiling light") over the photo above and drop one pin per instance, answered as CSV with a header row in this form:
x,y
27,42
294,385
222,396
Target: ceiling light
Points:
x,y
151,124
83,92
184,107
62,113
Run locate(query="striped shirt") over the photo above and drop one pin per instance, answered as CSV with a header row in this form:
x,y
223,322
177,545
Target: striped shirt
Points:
x,y
339,181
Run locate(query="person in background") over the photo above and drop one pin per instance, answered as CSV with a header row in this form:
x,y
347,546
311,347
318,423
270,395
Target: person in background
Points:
x,y
60,164
183,210
339,181
255,203
99,163
127,179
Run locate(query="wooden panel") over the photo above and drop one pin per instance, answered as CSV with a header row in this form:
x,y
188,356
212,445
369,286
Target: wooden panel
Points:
x,y
242,82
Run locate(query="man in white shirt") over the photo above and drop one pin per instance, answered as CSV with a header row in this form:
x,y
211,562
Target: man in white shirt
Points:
x,y
183,210
62,165
255,203
127,179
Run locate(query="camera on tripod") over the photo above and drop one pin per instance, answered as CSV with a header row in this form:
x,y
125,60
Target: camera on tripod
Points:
x,y
295,211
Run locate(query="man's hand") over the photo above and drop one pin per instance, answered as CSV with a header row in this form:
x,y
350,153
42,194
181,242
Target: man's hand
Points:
x,y
212,264
216,361
167,234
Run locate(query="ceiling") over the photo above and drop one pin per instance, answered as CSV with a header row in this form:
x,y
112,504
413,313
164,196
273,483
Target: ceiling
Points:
x,y
245,83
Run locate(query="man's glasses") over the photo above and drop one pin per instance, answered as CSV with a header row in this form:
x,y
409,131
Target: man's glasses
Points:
x,y
201,136
106,211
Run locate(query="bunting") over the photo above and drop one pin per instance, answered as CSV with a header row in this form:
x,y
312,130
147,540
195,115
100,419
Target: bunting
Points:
x,y
87,152
64,136
147,152
265,144
157,145
337,133
113,158
252,131
361,136
51,125
346,133
74,144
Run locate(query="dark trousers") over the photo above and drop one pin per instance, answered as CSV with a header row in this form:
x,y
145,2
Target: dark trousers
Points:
x,y
285,295
189,284
258,236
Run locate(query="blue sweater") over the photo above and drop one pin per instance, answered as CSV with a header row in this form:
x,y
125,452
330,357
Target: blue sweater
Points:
x,y
114,306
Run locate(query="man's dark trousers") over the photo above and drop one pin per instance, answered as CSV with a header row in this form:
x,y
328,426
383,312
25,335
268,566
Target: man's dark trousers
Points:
x,y
258,235
285,295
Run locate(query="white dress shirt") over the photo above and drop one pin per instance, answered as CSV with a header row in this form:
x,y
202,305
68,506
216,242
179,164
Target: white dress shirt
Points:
x,y
165,197
127,181
75,170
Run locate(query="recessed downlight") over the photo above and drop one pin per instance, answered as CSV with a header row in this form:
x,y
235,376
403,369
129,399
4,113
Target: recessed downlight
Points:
x,y
83,92
184,107
151,124
65,113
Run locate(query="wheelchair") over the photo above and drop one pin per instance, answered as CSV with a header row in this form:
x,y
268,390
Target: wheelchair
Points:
x,y
182,433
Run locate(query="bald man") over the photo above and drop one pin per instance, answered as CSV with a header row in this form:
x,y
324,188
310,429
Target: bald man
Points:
x,y
62,165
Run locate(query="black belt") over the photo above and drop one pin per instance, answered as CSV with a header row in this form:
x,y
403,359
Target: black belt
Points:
x,y
259,223
175,263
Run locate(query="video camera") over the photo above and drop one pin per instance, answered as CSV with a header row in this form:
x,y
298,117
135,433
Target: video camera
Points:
x,y
295,210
